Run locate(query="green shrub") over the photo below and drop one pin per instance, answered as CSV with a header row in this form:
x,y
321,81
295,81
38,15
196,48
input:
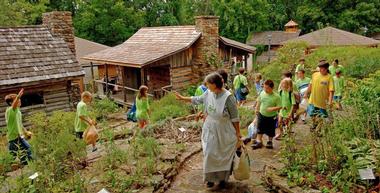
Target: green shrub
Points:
x,y
168,107
359,62
6,160
101,108
351,142
56,151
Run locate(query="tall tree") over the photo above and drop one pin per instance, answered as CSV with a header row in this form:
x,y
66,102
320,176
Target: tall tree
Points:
x,y
21,12
108,22
240,17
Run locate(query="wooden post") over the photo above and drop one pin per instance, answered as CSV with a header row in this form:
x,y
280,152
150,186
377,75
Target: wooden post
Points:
x,y
124,83
92,78
142,76
106,79
246,62
230,61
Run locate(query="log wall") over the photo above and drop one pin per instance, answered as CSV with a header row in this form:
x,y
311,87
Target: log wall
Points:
x,y
55,96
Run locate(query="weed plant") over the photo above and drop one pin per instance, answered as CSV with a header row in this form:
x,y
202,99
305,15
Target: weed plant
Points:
x,y
168,107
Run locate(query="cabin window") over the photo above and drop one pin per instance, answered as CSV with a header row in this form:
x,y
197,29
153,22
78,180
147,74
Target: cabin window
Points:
x,y
30,99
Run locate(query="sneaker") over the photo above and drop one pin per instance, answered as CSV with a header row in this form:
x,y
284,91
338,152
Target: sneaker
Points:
x,y
269,145
278,137
210,184
246,140
257,145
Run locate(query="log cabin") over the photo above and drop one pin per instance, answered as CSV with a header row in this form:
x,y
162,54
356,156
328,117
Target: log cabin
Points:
x,y
41,60
166,57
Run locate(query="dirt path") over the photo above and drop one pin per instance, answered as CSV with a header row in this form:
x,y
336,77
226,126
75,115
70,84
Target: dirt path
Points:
x,y
190,179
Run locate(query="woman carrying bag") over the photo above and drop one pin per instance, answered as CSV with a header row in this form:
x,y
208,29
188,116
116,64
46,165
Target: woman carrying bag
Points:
x,y
220,131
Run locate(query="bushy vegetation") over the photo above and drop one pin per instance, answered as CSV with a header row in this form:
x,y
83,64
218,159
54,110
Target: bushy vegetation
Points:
x,y
358,61
350,143
168,107
102,107
57,154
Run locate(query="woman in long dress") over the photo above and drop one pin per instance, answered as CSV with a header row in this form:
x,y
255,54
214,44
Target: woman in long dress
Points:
x,y
220,131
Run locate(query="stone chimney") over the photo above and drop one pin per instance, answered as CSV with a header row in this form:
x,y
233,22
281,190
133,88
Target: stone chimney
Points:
x,y
60,25
207,45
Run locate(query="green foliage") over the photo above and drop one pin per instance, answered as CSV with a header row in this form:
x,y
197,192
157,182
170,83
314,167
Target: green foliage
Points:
x,y
246,117
21,12
6,160
168,107
359,62
56,151
348,144
107,22
288,56
101,108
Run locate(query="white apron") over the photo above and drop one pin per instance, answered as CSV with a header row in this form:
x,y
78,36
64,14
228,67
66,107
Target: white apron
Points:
x,y
218,135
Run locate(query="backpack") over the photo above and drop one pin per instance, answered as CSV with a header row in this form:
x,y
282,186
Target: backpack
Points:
x,y
131,114
243,89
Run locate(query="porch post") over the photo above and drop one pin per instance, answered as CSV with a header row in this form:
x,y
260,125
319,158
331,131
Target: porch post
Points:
x,y
124,83
106,79
92,78
142,76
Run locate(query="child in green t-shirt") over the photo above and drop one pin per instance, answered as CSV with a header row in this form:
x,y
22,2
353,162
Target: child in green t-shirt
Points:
x,y
288,102
142,106
339,87
82,120
15,130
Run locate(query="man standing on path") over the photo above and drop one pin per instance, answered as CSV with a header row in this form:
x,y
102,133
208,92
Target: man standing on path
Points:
x,y
321,90
240,83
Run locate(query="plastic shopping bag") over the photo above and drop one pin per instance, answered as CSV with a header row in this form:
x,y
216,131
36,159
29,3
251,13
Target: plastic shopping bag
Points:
x,y
90,136
304,104
252,129
242,165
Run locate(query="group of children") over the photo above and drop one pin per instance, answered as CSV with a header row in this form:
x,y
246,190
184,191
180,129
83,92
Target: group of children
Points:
x,y
277,110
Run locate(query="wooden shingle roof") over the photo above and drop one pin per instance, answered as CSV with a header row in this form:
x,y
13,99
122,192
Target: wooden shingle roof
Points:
x,y
331,36
84,47
237,44
148,45
291,23
31,53
277,37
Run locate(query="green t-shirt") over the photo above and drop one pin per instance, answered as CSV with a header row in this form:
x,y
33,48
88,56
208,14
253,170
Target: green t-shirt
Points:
x,y
142,107
80,125
240,79
333,69
13,119
269,100
338,85
286,102
302,83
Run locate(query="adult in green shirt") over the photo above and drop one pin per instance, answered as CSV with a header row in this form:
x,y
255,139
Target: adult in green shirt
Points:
x,y
239,81
336,66
142,106
267,107
339,87
17,145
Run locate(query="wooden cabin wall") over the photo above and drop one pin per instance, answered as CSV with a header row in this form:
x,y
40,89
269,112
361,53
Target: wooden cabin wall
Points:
x,y
55,97
182,77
